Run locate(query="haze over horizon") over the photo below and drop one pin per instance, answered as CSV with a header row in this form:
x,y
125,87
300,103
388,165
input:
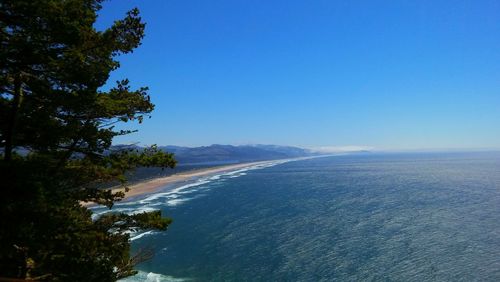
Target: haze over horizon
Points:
x,y
377,74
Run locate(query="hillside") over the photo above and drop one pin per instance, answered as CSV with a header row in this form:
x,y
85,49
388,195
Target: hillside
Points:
x,y
233,154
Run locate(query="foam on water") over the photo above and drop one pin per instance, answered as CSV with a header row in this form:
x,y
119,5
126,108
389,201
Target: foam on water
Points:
x,y
152,277
140,235
176,202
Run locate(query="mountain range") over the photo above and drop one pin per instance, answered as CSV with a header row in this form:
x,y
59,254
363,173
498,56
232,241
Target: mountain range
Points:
x,y
234,154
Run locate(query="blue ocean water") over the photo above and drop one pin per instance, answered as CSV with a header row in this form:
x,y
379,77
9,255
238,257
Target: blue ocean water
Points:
x,y
393,217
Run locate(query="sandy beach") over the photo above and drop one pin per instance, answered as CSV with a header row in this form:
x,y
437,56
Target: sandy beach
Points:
x,y
151,186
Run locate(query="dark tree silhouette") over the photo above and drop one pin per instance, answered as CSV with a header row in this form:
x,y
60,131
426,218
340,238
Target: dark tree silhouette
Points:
x,y
56,129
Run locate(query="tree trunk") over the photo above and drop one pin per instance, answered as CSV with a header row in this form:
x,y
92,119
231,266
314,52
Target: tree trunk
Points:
x,y
9,134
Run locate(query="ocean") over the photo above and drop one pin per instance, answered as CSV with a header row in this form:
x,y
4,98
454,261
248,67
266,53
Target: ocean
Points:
x,y
369,217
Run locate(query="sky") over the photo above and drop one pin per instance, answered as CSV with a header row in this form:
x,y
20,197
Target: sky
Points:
x,y
386,75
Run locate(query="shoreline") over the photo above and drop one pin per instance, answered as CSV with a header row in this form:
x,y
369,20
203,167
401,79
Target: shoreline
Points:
x,y
153,185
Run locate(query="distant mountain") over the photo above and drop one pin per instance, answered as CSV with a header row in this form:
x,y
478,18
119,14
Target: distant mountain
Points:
x,y
234,154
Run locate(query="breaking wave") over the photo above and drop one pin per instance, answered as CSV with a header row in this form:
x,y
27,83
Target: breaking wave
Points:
x,y
152,277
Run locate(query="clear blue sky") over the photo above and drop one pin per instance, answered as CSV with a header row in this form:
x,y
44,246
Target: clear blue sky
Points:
x,y
384,74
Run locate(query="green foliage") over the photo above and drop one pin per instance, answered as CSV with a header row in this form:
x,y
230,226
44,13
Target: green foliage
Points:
x,y
53,66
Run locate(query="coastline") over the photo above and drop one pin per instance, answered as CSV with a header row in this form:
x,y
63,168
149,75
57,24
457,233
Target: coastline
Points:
x,y
153,185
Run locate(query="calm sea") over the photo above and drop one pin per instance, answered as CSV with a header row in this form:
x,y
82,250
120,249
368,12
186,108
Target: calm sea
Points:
x,y
393,217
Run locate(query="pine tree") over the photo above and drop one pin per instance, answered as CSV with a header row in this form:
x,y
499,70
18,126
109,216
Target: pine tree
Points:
x,y
56,131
